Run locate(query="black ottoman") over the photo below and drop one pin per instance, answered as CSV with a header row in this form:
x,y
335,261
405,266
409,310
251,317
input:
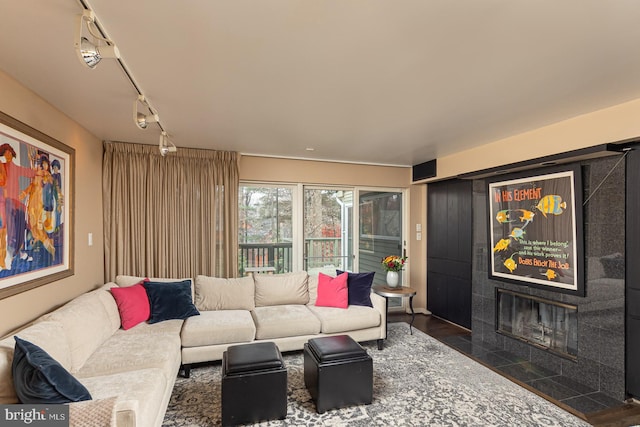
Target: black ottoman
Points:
x,y
254,384
338,372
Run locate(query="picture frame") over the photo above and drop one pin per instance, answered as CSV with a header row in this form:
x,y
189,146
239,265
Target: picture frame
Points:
x,y
37,178
535,227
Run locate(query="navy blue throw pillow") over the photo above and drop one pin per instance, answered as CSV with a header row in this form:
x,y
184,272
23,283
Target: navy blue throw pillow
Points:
x,y
359,288
170,300
38,378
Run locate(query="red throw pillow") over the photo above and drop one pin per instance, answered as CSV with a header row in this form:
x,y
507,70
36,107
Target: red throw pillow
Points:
x,y
332,291
133,304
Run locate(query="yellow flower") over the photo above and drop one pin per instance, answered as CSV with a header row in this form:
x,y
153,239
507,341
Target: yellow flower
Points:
x,y
393,263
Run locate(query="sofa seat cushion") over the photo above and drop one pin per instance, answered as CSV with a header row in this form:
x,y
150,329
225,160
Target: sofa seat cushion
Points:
x,y
125,352
355,317
218,327
141,391
171,327
284,321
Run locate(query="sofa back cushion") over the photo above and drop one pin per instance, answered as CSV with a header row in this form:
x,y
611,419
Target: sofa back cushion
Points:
x,y
213,293
281,289
88,321
312,284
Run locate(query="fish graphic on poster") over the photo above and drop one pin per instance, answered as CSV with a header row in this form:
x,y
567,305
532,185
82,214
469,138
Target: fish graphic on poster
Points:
x,y
510,263
551,274
517,233
503,216
526,217
501,245
551,204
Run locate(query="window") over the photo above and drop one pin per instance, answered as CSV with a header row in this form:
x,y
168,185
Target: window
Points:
x,y
265,229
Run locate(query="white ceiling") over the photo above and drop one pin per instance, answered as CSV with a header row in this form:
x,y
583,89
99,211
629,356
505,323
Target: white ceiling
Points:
x,y
376,81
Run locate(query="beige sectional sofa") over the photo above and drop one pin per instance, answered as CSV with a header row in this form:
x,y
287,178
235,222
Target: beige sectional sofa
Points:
x,y
135,369
279,308
138,366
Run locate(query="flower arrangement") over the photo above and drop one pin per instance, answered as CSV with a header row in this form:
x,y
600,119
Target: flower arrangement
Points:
x,y
393,263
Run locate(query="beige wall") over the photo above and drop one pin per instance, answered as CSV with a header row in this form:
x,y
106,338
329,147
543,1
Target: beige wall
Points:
x,y
418,248
22,104
604,126
270,169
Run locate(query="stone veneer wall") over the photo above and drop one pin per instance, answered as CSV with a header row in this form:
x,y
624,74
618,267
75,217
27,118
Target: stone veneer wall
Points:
x,y
601,346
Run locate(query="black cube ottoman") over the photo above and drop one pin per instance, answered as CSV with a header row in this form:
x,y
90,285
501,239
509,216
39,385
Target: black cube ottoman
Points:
x,y
338,372
254,384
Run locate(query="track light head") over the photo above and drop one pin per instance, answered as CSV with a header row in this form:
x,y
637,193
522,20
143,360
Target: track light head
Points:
x,y
143,121
165,145
140,119
91,53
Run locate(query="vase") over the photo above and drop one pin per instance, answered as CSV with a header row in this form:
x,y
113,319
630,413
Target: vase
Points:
x,y
392,279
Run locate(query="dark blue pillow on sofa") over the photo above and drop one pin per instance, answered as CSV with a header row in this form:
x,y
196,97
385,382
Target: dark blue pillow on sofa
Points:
x,y
38,378
359,288
170,300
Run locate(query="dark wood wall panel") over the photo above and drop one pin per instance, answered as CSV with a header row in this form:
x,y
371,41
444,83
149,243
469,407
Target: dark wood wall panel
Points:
x,y
449,249
632,278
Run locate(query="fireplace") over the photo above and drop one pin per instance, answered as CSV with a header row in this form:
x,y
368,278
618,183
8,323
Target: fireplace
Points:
x,y
546,324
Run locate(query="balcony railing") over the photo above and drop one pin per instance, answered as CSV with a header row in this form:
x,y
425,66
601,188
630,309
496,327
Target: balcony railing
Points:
x,y
278,257
265,258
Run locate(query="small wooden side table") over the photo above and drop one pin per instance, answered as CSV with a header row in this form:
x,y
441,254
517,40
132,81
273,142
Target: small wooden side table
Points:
x,y
399,292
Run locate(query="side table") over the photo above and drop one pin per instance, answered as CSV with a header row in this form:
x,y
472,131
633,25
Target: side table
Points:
x,y
399,292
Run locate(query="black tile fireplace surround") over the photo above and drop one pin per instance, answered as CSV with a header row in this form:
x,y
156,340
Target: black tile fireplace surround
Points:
x,y
599,360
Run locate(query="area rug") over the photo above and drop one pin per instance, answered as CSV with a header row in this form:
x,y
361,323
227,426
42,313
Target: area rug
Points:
x,y
417,381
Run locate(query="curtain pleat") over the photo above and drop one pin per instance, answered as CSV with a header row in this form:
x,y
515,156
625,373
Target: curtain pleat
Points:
x,y
173,216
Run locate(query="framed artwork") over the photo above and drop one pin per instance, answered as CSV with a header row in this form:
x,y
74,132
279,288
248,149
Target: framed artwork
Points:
x,y
535,229
36,208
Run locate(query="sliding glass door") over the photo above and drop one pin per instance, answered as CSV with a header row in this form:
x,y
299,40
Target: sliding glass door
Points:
x,y
285,228
327,223
380,233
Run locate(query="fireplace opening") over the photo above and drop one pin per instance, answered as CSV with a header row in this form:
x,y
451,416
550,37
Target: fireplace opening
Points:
x,y
546,324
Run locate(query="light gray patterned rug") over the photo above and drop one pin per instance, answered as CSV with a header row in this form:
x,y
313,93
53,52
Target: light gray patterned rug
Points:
x,y
418,381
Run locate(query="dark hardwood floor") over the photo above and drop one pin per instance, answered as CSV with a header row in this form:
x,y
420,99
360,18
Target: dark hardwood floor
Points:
x,y
613,414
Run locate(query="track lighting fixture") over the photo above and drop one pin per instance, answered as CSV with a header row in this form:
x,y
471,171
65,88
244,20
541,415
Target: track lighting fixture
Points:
x,y
166,146
90,52
140,119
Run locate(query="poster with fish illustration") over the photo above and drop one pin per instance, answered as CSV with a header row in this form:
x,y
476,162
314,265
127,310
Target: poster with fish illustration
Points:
x,y
535,229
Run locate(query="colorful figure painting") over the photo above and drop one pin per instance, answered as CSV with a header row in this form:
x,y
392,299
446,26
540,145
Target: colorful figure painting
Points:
x,y
535,230
34,186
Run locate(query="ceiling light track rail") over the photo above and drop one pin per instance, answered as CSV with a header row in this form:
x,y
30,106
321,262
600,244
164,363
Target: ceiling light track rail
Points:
x,y
91,54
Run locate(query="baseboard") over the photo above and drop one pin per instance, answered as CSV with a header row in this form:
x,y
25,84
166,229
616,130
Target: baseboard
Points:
x,y
419,311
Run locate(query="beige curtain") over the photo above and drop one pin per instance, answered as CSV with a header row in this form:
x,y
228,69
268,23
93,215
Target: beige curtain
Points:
x,y
173,216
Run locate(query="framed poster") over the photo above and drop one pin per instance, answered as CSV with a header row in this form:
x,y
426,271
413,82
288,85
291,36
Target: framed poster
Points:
x,y
535,229
36,215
